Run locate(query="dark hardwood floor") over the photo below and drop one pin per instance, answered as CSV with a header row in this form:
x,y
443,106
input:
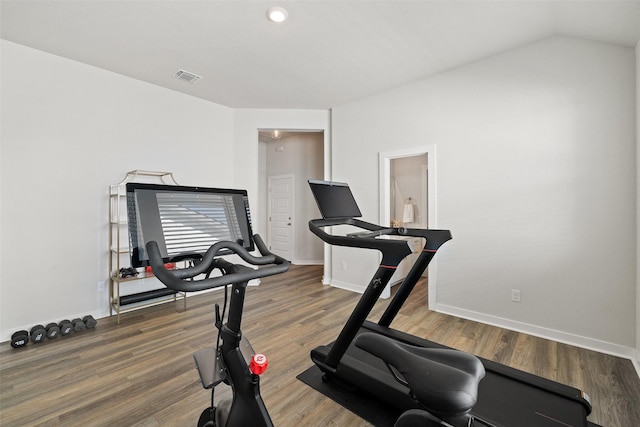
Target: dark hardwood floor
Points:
x,y
141,372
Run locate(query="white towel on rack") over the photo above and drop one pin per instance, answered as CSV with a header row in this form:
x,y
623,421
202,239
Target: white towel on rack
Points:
x,y
407,215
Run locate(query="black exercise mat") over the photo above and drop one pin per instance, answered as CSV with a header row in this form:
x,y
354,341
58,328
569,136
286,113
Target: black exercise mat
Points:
x,y
366,406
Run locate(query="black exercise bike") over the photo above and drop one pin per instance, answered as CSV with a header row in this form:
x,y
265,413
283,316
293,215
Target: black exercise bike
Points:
x,y
232,361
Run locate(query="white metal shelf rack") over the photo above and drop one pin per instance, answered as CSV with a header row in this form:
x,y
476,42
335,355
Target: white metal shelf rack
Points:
x,y
119,249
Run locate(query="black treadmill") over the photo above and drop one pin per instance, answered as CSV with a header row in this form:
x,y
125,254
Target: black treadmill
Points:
x,y
507,397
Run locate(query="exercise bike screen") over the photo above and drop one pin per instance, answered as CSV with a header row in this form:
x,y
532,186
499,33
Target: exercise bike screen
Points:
x,y
334,199
184,219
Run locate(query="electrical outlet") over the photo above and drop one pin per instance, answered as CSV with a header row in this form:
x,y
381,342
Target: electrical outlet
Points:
x,y
100,287
515,295
344,265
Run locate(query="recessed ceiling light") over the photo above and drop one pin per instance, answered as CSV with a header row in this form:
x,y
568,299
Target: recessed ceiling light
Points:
x,y
277,14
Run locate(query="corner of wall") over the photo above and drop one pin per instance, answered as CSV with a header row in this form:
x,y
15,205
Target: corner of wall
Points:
x,y
637,356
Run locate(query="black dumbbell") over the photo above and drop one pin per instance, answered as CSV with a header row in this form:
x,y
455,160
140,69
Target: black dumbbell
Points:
x,y
65,327
89,321
53,330
37,334
19,339
78,325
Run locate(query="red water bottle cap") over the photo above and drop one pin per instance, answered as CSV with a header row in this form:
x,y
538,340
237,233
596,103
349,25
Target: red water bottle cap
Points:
x,y
258,364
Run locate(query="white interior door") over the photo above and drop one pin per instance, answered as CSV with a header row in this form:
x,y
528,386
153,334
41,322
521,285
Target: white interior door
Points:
x,y
281,206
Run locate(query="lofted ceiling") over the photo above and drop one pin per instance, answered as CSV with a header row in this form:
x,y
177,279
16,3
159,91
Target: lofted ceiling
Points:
x,y
327,53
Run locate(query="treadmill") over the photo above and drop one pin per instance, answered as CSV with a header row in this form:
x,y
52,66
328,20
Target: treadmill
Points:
x,y
507,397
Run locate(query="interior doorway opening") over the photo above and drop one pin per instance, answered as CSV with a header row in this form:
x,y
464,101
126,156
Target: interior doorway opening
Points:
x,y
408,199
408,191
288,158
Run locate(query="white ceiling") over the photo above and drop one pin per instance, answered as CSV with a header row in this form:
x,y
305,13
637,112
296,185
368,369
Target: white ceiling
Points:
x,y
327,53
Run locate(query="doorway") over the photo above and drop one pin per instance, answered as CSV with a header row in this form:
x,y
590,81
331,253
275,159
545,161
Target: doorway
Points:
x,y
408,195
408,189
288,158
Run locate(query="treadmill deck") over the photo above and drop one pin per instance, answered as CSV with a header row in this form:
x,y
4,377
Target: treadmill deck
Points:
x,y
507,397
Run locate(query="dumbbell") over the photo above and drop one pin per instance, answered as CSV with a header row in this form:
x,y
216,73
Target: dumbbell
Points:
x,y
89,321
37,334
65,327
78,324
19,339
53,330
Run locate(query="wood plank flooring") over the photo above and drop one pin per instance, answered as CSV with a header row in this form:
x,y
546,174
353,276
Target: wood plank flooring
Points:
x,y
140,373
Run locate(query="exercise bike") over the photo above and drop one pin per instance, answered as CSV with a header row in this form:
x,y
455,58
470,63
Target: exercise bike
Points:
x,y
200,225
232,361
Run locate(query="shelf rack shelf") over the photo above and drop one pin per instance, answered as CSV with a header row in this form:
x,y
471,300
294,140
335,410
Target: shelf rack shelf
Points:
x,y
119,250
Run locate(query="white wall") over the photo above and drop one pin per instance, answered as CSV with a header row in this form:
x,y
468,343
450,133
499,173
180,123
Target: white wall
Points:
x,y
536,173
536,179
68,131
637,355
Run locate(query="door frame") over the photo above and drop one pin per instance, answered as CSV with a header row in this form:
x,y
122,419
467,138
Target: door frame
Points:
x,y
385,158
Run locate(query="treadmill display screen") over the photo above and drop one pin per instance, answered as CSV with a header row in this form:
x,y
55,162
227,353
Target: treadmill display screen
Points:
x,y
334,199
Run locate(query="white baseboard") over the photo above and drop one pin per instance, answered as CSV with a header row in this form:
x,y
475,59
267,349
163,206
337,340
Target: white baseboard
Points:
x,y
347,286
552,334
636,361
307,262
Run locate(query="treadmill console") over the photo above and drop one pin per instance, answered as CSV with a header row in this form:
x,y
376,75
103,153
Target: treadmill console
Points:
x,y
334,199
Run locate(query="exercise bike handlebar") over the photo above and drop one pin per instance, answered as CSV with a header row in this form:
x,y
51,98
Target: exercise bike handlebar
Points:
x,y
182,279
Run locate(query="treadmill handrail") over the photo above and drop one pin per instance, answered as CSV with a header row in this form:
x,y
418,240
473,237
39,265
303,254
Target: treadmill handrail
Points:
x,y
369,239
393,251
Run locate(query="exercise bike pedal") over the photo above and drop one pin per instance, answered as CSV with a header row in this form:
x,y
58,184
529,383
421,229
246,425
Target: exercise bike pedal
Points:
x,y
210,367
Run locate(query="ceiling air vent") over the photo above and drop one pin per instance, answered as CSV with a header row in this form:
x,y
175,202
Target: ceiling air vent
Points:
x,y
186,76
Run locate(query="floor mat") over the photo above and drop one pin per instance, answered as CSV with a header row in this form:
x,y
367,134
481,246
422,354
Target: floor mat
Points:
x,y
366,406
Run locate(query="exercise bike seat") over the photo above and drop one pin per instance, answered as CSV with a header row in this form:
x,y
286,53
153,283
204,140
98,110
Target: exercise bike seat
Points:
x,y
444,381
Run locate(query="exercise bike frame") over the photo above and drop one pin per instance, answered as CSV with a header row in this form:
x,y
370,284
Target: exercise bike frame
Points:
x,y
247,407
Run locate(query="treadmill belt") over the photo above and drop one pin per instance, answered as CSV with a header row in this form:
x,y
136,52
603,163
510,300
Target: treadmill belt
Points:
x,y
502,400
506,395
